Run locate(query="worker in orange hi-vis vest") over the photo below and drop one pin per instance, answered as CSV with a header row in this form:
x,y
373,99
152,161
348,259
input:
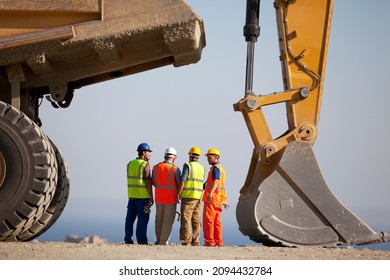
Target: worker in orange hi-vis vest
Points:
x,y
165,179
214,198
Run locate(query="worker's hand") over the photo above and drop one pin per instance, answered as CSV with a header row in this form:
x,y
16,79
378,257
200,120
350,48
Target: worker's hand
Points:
x,y
151,201
226,205
209,197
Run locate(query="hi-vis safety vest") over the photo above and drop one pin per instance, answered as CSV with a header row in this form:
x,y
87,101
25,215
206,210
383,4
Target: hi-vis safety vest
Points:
x,y
193,186
219,195
165,183
136,186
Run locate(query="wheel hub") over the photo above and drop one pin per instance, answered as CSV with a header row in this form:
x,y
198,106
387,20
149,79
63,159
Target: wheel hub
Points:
x,y
3,169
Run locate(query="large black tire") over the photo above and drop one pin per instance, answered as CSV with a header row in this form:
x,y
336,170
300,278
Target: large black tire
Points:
x,y
57,204
30,173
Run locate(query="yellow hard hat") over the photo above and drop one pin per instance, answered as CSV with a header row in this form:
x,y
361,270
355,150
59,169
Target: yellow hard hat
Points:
x,y
194,151
213,151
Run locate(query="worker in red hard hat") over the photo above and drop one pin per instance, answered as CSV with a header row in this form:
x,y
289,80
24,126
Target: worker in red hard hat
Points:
x,y
214,198
140,194
165,179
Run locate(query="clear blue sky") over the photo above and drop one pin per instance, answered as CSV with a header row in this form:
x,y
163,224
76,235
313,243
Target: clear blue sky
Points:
x,y
193,105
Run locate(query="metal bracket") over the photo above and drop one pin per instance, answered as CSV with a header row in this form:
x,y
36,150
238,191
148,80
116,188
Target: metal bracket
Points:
x,y
60,95
64,103
17,79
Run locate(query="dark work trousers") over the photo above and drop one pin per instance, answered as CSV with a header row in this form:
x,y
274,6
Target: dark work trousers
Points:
x,y
135,209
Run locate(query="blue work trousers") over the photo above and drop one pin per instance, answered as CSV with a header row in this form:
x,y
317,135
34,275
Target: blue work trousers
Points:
x,y
135,209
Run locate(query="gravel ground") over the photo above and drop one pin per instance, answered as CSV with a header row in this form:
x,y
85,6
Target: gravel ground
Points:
x,y
118,251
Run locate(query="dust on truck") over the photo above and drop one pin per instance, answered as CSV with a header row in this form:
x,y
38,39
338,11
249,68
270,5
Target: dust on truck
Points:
x,y
49,49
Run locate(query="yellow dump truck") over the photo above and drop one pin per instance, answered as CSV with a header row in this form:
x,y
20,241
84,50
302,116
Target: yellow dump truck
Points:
x,y
48,49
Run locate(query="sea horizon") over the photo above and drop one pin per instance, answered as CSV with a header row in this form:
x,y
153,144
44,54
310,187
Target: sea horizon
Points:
x,y
113,231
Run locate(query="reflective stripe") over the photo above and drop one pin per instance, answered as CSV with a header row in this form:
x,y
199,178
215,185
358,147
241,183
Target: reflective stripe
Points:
x,y
166,187
194,180
194,189
135,186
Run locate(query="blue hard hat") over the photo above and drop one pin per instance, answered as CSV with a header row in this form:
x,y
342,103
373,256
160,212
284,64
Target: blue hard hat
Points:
x,y
144,147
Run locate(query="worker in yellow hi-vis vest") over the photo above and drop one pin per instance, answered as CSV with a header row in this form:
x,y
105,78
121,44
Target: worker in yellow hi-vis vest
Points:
x,y
190,193
140,194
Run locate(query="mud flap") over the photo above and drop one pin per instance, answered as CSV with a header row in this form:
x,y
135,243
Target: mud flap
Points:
x,y
293,206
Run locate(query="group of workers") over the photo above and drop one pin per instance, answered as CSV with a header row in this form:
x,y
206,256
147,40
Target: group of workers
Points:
x,y
172,187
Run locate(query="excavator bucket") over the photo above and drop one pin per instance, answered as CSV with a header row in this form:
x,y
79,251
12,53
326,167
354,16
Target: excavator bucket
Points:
x,y
285,200
293,206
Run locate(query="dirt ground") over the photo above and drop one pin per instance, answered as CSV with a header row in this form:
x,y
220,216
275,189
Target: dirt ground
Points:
x,y
117,251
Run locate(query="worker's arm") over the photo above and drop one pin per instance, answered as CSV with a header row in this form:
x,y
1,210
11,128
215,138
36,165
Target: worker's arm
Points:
x,y
178,183
148,182
215,175
180,188
153,179
183,178
150,191
213,188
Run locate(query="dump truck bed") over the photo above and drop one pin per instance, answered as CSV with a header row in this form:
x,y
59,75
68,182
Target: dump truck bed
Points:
x,y
70,44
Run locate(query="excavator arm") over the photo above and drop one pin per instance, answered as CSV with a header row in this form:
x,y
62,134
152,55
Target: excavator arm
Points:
x,y
303,58
285,201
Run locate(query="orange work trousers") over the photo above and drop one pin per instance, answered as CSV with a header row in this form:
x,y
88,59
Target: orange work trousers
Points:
x,y
212,226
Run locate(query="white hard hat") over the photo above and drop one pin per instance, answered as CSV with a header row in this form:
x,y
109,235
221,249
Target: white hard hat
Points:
x,y
171,151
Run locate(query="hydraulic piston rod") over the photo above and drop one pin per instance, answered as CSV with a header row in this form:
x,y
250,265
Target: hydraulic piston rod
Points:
x,y
251,33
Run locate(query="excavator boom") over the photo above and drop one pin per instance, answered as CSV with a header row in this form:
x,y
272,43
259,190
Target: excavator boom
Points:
x,y
285,200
